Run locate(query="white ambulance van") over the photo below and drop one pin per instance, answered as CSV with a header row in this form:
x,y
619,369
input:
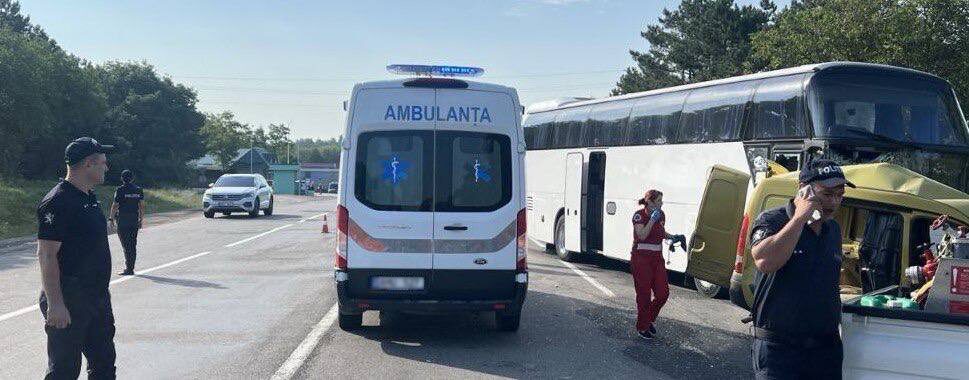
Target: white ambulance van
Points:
x,y
431,213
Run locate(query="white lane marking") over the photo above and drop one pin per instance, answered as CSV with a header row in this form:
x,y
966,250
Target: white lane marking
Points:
x,y
18,312
303,351
116,281
311,218
588,278
246,240
28,309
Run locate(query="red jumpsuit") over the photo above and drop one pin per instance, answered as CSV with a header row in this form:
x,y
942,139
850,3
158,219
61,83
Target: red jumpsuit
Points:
x,y
649,270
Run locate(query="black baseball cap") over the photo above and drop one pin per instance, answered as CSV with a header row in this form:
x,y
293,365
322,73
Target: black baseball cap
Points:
x,y
825,172
79,149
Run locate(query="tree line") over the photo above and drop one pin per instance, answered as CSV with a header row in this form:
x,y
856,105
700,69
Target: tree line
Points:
x,y
49,97
711,39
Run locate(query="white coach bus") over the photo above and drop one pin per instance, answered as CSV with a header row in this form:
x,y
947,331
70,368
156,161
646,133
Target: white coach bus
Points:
x,y
589,161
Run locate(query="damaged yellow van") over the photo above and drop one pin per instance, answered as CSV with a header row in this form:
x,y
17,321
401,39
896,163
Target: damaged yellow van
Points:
x,y
887,225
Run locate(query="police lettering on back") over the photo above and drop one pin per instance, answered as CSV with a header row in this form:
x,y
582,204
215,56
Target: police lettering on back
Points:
x,y
465,114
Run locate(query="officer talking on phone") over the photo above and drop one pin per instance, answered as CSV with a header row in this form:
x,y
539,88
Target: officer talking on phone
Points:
x,y
797,307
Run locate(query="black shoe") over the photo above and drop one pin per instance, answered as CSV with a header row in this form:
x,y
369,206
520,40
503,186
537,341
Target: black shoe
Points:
x,y
652,329
127,273
646,335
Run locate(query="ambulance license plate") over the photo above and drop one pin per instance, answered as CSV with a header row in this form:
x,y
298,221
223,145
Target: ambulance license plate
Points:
x,y
225,204
397,283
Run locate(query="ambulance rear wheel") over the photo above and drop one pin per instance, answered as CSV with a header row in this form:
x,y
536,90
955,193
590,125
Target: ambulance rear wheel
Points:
x,y
350,321
560,250
709,290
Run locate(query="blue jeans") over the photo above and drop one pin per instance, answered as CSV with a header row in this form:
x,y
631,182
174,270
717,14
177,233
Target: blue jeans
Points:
x,y
773,360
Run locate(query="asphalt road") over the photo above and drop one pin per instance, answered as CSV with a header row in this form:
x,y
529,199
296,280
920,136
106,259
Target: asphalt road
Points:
x,y
234,297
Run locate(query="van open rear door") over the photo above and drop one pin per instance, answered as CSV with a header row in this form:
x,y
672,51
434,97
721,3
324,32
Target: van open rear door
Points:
x,y
714,243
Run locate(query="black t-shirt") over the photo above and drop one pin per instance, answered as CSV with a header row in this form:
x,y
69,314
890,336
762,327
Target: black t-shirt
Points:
x,y
804,298
74,218
128,198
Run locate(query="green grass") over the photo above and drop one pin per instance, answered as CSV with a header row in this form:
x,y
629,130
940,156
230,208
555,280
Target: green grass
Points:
x,y
19,198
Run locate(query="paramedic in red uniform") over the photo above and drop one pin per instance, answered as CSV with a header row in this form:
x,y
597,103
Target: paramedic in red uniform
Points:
x,y
647,264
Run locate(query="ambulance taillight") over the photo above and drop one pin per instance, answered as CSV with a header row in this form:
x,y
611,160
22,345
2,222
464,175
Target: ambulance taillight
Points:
x,y
520,242
342,222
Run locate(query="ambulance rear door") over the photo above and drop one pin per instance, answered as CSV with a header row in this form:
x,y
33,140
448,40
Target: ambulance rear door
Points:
x,y
478,193
388,190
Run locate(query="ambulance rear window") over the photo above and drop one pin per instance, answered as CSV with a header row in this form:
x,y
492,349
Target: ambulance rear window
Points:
x,y
473,171
394,170
433,171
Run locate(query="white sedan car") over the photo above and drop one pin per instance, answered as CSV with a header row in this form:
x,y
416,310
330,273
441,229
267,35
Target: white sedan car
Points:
x,y
247,193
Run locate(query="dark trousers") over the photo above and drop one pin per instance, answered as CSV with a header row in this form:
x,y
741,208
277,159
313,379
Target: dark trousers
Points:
x,y
90,333
129,242
772,360
652,287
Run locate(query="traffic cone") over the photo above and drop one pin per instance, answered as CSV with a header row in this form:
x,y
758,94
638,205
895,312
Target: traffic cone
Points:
x,y
326,226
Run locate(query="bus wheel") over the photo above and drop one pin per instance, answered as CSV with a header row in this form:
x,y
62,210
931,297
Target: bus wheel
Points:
x,y
560,250
709,290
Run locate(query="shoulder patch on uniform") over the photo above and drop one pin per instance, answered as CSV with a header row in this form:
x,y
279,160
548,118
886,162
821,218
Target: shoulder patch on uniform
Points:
x,y
49,218
637,217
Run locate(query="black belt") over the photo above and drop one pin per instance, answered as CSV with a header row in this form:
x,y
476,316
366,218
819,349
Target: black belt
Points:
x,y
801,341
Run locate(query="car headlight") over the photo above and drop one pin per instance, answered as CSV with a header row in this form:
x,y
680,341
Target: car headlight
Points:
x,y
206,196
251,194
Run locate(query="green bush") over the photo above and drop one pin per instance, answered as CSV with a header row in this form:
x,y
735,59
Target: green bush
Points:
x,y
19,199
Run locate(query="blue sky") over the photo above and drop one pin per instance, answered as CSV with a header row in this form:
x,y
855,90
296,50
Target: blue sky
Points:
x,y
294,62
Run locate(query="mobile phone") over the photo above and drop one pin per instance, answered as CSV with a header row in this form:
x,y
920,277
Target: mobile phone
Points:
x,y
807,192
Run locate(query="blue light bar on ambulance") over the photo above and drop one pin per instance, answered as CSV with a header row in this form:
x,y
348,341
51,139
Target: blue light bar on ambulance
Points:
x,y
442,71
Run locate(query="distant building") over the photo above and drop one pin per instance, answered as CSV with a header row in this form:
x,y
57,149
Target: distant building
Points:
x,y
207,170
255,160
283,178
314,173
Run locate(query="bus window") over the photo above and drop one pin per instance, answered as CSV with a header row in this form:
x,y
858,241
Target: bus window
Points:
x,y
569,125
394,170
654,119
869,107
777,109
609,120
536,130
714,113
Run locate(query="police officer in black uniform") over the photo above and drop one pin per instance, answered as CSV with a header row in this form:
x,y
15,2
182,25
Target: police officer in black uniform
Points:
x,y
129,209
797,307
75,264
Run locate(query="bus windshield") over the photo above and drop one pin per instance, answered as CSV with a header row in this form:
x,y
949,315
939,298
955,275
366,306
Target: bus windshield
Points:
x,y
892,110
